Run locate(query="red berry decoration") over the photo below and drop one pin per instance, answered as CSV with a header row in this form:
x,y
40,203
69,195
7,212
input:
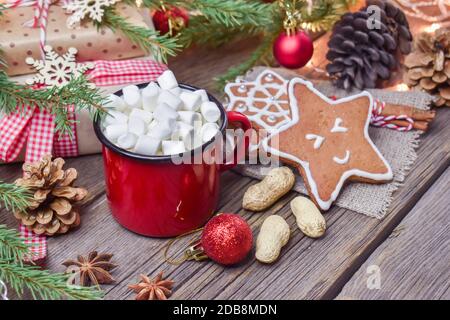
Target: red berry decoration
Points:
x,y
293,51
227,239
170,20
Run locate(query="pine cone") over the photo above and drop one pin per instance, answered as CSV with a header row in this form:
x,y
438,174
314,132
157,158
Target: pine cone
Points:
x,y
361,56
395,21
428,67
51,211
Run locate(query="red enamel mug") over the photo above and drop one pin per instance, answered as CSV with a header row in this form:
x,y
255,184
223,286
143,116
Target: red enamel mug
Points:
x,y
153,196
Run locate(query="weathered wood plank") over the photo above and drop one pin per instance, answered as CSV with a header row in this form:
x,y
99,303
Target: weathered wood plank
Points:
x,y
134,254
414,260
307,269
319,268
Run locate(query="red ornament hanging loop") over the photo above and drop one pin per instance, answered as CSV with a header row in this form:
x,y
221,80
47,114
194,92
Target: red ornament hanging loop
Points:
x,y
170,20
226,239
293,48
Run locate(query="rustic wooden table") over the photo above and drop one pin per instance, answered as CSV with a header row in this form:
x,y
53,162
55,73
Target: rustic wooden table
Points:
x,y
410,246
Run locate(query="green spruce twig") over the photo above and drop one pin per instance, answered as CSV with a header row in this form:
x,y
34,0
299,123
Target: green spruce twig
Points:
x,y
233,13
12,247
78,92
256,57
14,197
324,14
43,284
160,46
214,35
40,283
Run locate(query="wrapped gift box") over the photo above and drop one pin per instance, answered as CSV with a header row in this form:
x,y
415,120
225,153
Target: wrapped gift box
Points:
x,y
19,42
86,138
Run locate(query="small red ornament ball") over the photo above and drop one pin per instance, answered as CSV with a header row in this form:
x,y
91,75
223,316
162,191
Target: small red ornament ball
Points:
x,y
227,239
293,51
180,19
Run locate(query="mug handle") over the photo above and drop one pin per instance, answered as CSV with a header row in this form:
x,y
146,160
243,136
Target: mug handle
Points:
x,y
239,153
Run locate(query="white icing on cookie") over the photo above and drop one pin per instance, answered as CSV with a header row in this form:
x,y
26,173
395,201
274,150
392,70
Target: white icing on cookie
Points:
x,y
337,126
325,204
258,115
342,160
318,140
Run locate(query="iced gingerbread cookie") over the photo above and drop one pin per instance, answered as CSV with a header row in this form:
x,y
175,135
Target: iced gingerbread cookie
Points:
x,y
328,141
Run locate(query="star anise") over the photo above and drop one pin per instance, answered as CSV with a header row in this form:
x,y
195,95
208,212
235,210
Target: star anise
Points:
x,y
93,270
156,289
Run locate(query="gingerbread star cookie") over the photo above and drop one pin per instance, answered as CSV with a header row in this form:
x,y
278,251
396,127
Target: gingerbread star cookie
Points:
x,y
328,141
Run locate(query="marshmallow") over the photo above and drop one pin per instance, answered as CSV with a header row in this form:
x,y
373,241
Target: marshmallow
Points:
x,y
209,131
162,130
192,140
189,117
167,80
132,96
147,116
183,129
114,131
164,112
173,147
153,86
190,100
198,121
136,126
176,91
127,141
152,125
170,99
115,102
147,146
210,111
115,117
150,96
203,95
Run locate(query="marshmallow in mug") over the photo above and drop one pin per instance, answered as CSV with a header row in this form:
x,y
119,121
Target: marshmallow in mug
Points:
x,y
162,118
132,96
147,146
150,96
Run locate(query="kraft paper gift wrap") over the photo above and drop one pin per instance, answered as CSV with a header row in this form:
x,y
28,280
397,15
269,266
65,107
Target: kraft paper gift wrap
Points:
x,y
19,42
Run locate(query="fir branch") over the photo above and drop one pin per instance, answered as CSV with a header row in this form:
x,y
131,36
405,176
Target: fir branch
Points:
x,y
324,14
234,13
149,40
256,57
42,284
14,197
12,247
213,34
78,92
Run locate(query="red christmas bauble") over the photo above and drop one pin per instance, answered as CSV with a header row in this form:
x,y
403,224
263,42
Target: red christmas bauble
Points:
x,y
227,239
180,19
293,51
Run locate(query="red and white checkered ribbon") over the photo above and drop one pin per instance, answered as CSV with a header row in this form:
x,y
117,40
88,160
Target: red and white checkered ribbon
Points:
x,y
36,128
378,120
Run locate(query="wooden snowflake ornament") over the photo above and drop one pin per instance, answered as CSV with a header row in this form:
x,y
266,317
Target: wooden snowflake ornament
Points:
x,y
87,8
57,70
